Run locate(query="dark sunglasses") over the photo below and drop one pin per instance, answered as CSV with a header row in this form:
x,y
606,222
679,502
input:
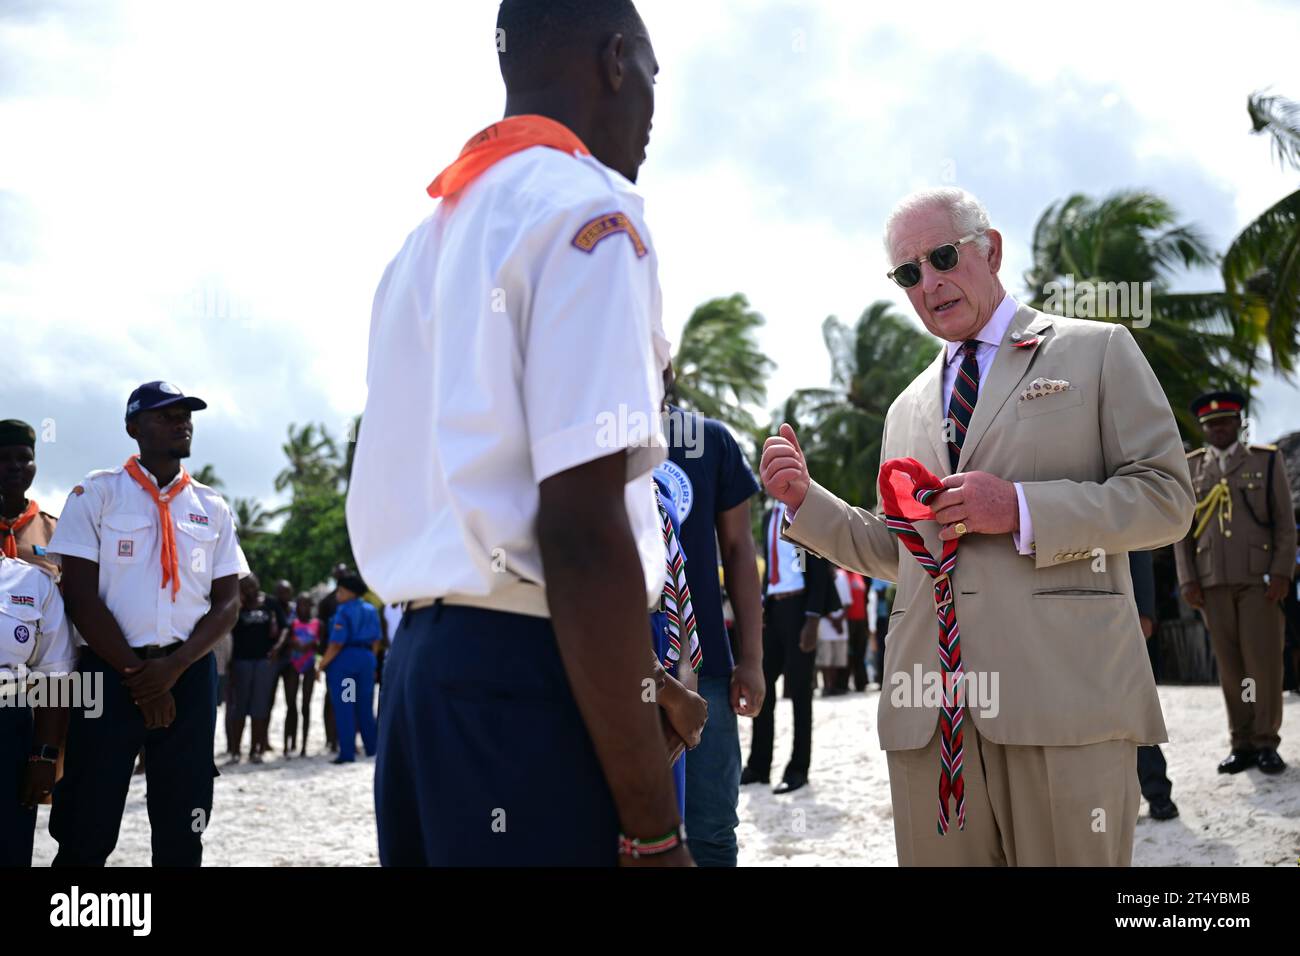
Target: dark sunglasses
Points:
x,y
944,259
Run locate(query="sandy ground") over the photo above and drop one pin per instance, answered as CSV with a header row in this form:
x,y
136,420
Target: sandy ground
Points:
x,y
275,814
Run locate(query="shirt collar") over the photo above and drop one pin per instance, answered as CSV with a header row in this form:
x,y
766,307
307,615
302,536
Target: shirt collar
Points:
x,y
1223,454
994,329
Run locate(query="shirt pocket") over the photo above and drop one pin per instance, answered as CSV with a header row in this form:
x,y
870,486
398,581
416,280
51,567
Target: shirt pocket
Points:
x,y
195,546
1055,402
20,626
125,538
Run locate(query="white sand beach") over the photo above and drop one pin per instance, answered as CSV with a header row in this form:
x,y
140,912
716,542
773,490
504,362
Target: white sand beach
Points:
x,y
305,812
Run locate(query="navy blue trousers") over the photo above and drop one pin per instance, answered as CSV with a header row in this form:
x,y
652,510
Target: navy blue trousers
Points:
x,y
484,759
355,664
101,752
17,823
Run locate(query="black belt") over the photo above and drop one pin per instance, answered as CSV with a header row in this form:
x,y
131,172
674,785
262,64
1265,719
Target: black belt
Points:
x,y
782,595
154,651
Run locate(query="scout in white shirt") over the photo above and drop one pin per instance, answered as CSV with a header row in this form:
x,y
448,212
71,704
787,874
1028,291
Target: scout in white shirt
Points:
x,y
502,470
150,577
34,645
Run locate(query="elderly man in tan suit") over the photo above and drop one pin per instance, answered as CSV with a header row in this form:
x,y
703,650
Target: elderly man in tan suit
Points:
x,y
1058,454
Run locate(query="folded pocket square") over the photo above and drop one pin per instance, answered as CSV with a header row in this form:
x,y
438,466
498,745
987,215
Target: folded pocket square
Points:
x,y
1043,386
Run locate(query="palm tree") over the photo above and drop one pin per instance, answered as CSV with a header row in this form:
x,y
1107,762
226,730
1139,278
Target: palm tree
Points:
x,y
1261,269
250,517
840,427
1134,239
313,458
718,366
207,475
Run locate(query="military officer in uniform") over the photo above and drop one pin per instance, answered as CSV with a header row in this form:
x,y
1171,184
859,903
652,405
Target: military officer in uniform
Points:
x,y
1235,565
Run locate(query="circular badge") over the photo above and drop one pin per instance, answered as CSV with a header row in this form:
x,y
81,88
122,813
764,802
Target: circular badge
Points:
x,y
22,634
680,489
169,388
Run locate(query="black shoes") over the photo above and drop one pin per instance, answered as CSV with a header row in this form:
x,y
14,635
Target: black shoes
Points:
x,y
1163,809
1240,760
791,783
1269,761
750,776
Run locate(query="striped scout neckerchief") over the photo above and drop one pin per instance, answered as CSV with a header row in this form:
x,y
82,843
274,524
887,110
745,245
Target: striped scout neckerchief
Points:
x,y
677,597
906,487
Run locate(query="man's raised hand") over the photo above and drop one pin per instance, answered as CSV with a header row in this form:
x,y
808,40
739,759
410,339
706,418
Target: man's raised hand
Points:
x,y
784,469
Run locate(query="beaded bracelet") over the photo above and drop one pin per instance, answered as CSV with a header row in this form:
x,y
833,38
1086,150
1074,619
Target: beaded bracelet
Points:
x,y
636,848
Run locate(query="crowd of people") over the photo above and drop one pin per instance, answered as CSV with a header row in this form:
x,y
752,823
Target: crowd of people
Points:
x,y
280,641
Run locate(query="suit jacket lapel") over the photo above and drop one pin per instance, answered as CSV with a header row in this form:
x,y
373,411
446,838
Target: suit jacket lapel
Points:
x,y
932,413
1011,363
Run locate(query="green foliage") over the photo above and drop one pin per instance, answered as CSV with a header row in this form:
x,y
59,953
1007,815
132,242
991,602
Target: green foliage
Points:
x,y
718,366
1135,238
314,536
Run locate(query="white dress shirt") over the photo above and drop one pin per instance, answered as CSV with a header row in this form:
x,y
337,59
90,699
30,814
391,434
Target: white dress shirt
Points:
x,y
990,339
787,557
111,520
506,347
34,637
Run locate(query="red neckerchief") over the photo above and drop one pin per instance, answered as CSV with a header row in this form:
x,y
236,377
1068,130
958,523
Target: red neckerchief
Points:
x,y
906,487
171,573
9,528
489,147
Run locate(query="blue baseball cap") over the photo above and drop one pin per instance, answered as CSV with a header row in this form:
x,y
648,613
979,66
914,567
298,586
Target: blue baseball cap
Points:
x,y
153,395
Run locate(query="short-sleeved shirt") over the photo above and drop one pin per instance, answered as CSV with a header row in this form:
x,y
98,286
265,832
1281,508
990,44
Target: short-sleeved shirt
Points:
x,y
111,520
705,477
254,633
511,340
33,540
34,633
355,624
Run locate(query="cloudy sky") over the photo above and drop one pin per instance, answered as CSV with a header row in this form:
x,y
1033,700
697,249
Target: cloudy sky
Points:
x,y
208,193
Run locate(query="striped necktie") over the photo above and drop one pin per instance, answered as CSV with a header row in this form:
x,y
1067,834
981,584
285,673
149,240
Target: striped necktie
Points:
x,y
965,392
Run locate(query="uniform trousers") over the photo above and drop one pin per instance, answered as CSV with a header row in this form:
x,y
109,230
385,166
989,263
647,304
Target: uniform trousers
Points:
x,y
17,823
1247,633
484,759
351,681
101,752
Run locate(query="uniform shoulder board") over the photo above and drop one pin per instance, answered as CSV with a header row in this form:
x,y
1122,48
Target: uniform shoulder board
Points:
x,y
1196,451
1263,447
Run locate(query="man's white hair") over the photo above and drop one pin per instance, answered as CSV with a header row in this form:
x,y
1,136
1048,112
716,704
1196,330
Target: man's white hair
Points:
x,y
968,213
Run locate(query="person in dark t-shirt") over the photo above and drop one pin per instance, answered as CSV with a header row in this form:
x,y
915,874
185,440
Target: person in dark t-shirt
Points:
x,y
255,640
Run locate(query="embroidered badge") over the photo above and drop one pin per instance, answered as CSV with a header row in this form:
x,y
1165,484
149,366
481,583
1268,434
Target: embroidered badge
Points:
x,y
22,600
126,548
199,519
22,634
602,227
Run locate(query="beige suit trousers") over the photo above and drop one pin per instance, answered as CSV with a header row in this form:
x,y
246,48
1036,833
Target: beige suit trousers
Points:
x,y
1025,806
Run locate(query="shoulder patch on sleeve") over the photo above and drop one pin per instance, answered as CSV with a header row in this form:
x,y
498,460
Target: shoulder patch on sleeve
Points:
x,y
79,491
602,227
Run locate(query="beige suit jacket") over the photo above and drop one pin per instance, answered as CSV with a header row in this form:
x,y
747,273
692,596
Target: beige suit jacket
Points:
x,y
1103,472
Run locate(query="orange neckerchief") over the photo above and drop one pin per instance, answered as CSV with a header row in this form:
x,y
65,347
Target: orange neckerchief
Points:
x,y
512,134
9,529
170,568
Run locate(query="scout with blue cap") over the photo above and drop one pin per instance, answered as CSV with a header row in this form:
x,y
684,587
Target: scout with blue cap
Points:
x,y
152,395
151,566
